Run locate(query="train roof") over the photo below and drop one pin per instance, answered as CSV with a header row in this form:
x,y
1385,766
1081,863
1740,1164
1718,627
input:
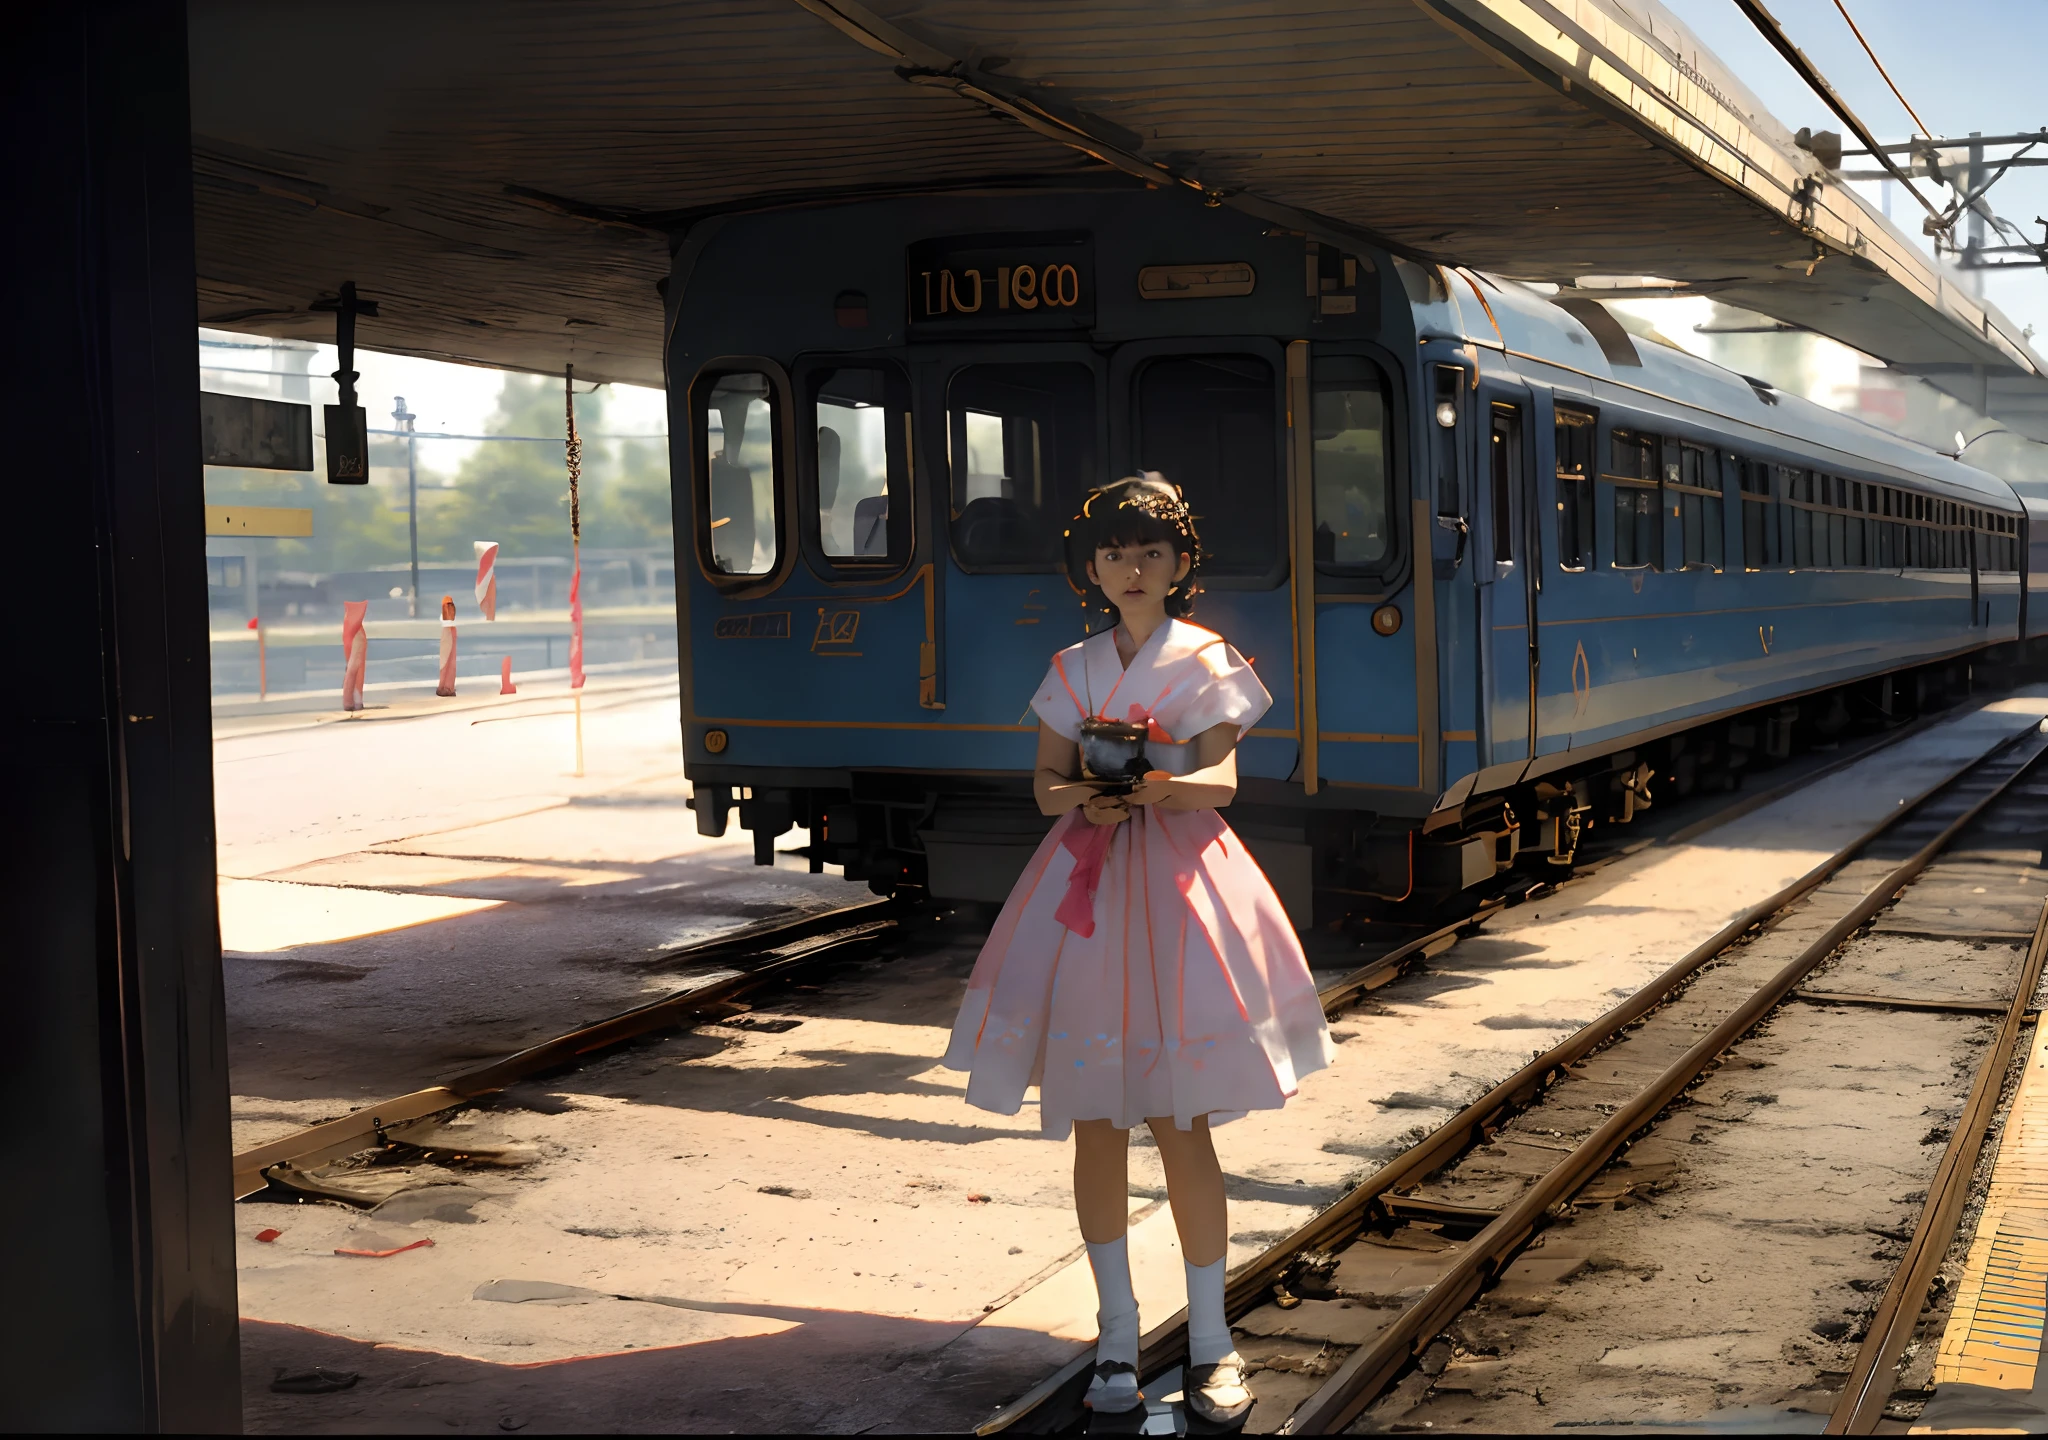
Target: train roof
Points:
x,y
1531,327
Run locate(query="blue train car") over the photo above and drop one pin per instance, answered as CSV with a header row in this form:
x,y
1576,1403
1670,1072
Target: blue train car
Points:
x,y
1504,566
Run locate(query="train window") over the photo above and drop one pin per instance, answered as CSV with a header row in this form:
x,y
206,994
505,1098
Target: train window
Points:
x,y
1922,533
1576,434
1210,424
1697,497
861,500
1021,449
1638,515
1760,545
1831,530
1349,415
1504,466
1797,487
737,454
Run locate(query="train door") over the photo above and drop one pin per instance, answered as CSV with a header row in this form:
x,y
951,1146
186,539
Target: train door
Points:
x,y
1210,415
1508,573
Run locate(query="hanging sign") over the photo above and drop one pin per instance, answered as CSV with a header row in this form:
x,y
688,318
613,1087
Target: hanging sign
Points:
x,y
1002,283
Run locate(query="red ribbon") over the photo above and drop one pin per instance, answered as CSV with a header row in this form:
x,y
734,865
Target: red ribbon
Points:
x,y
1088,843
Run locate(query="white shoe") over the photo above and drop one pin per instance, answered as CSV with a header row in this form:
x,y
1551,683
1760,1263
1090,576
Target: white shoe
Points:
x,y
1217,1393
1114,1389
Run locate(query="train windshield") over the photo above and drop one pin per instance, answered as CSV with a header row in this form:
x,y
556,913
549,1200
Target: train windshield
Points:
x,y
1209,423
862,415
1021,447
738,442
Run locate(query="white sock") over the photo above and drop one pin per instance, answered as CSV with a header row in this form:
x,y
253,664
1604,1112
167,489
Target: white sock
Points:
x,y
1208,1332
1116,1303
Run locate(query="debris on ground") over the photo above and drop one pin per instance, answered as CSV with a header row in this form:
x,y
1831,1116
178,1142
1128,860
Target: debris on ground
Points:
x,y
383,1254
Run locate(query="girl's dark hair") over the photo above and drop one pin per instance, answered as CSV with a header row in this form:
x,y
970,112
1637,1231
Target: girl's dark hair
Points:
x,y
1139,510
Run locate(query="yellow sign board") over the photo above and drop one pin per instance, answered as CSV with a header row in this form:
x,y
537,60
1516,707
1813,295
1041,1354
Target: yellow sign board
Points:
x,y
270,520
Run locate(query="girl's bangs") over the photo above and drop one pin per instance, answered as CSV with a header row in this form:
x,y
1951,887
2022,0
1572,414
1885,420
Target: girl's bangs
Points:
x,y
1130,526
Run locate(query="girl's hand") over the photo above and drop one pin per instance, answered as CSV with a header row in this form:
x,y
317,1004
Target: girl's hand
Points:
x,y
1057,797
1155,789
1107,809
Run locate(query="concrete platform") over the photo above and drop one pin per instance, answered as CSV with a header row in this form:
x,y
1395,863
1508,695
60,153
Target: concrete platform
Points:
x,y
813,1230
408,892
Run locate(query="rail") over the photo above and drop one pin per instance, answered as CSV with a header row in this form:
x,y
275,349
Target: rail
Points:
x,y
1374,1199
1368,1370
756,956
1868,1387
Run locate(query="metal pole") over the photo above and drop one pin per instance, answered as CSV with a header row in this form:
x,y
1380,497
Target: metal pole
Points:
x,y
574,455
412,500
1972,259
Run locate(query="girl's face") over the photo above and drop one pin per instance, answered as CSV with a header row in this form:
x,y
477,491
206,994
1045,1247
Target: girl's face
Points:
x,y
1137,577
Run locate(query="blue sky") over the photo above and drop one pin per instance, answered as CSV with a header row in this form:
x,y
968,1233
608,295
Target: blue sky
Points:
x,y
1964,64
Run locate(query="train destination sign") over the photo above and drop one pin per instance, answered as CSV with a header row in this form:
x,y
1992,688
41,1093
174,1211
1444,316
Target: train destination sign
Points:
x,y
1007,283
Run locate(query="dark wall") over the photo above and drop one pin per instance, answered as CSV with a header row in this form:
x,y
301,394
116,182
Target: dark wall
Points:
x,y
118,1250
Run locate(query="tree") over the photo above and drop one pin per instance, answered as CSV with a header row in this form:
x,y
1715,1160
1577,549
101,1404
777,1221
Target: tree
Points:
x,y
629,507
515,491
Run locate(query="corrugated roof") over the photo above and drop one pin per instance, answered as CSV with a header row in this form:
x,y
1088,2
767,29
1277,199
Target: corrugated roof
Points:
x,y
504,178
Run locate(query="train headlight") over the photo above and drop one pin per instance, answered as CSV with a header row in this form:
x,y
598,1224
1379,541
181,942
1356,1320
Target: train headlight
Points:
x,y
1446,414
715,740
1387,619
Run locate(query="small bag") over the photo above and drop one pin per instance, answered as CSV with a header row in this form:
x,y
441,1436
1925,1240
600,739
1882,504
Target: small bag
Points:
x,y
1113,750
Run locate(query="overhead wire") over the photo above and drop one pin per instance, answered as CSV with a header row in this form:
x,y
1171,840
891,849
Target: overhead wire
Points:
x,y
1965,203
1772,31
1898,94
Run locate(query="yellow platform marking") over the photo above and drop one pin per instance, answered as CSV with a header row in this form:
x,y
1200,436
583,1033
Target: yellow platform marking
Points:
x,y
1994,1332
2007,1299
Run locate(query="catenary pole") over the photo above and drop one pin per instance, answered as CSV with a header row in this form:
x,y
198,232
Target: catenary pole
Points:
x,y
574,454
412,501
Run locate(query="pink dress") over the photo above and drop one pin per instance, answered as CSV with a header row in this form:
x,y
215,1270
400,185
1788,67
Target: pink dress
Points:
x,y
1145,969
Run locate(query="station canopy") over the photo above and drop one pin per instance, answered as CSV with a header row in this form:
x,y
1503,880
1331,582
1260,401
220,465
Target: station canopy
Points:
x,y
505,178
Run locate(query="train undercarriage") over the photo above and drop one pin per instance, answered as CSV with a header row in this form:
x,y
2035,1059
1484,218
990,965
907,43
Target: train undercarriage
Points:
x,y
966,837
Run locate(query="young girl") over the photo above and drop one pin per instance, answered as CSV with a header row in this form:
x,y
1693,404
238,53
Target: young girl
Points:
x,y
1143,969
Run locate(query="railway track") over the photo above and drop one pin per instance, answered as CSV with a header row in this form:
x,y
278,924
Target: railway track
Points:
x,y
718,972
1413,1246
716,975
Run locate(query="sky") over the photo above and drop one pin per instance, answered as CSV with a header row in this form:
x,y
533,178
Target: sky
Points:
x,y
1963,64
